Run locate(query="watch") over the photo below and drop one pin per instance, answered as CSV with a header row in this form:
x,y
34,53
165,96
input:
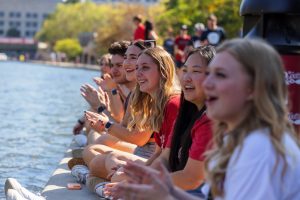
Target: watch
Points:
x,y
114,91
80,122
108,125
101,109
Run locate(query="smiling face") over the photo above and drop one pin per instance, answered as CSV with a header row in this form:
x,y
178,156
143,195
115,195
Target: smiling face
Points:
x,y
193,75
228,90
130,60
147,74
117,69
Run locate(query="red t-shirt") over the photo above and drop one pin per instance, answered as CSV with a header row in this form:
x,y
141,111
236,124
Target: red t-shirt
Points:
x,y
181,43
170,115
139,32
201,138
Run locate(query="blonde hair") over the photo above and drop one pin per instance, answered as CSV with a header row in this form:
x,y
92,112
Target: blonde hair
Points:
x,y
267,110
147,113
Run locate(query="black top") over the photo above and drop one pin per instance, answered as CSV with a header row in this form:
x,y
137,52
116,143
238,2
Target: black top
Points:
x,y
214,37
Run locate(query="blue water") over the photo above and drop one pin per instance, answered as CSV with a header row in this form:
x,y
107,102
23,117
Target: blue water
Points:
x,y
38,108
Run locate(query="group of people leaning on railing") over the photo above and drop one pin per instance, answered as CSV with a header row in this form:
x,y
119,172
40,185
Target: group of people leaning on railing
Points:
x,y
217,130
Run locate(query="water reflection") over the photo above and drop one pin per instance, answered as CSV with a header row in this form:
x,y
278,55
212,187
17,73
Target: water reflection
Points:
x,y
38,106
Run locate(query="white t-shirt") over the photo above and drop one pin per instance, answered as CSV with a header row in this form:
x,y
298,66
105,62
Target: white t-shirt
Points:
x,y
250,174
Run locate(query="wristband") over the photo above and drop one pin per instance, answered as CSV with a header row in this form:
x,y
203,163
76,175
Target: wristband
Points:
x,y
108,125
114,91
101,109
80,122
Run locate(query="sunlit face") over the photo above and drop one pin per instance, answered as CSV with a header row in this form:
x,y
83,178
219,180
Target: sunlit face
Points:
x,y
117,69
193,75
227,88
104,66
130,60
147,74
211,23
183,32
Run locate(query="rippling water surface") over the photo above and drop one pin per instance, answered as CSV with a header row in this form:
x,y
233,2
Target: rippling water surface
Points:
x,y
38,107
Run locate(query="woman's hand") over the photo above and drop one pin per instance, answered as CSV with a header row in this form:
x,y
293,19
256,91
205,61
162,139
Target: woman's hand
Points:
x,y
106,83
77,128
92,96
96,121
144,183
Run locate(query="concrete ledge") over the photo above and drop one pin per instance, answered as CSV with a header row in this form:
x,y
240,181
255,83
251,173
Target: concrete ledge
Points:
x,y
56,188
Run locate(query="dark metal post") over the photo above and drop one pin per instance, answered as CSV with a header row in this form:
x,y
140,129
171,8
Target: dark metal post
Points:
x,y
278,22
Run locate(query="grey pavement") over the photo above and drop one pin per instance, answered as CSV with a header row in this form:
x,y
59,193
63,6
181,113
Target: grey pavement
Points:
x,y
56,188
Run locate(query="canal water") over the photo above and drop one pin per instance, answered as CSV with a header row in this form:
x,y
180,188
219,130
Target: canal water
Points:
x,y
39,105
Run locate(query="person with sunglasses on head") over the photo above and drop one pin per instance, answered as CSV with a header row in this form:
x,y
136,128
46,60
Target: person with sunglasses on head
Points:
x,y
153,107
192,133
256,152
129,65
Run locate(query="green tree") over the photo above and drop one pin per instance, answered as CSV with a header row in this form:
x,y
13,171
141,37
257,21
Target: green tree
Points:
x,y
117,24
70,47
69,20
189,12
112,22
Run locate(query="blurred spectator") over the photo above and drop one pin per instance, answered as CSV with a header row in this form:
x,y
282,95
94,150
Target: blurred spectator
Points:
x,y
199,28
139,32
169,42
149,31
214,34
181,42
195,41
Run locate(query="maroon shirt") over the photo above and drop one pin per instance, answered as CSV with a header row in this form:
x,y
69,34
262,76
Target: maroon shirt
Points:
x,y
170,115
201,138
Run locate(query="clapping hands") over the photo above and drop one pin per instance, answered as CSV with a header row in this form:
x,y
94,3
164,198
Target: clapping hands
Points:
x,y
96,121
106,83
93,97
143,183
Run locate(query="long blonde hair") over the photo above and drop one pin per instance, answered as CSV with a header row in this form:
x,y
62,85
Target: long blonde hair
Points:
x,y
267,110
147,112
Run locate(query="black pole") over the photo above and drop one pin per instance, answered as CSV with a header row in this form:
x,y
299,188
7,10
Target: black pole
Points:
x,y
278,22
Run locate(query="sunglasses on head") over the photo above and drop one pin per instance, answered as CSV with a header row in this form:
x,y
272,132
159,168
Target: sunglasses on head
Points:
x,y
144,44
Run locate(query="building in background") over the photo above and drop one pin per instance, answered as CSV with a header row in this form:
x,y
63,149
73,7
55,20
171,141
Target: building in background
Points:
x,y
23,18
20,20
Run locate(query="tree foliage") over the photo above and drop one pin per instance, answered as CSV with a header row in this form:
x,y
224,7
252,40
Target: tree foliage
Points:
x,y
69,20
113,22
70,47
189,12
117,23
